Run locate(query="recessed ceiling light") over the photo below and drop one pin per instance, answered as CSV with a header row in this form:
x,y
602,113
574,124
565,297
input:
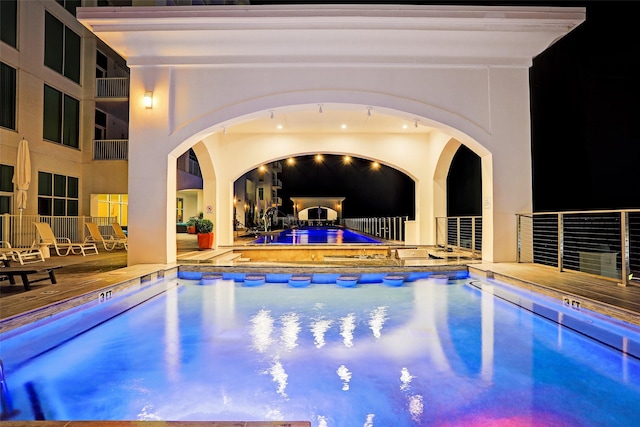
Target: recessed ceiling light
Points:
x,y
405,126
343,126
279,126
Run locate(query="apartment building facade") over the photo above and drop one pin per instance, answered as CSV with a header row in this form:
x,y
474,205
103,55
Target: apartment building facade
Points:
x,y
67,93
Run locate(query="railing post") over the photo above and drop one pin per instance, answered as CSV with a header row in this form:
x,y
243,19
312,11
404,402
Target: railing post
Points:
x,y
560,241
624,226
458,233
519,238
473,237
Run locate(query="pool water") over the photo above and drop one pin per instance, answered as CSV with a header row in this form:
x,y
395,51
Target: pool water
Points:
x,y
425,353
316,235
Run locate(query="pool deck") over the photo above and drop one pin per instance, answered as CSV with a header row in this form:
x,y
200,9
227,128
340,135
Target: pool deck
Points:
x,y
87,276
83,278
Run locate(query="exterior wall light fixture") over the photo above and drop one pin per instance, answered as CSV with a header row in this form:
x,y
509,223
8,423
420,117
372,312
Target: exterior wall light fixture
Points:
x,y
148,99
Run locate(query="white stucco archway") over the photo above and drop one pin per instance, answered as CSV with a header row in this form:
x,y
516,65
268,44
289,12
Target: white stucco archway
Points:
x,y
461,70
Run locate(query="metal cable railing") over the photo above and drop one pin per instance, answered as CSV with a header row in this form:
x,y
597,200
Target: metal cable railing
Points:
x,y
460,233
388,228
604,243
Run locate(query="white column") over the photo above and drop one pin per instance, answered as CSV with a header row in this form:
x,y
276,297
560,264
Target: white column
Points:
x,y
152,173
506,173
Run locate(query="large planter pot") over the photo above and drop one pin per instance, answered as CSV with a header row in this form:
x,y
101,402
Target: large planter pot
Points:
x,y
205,241
191,229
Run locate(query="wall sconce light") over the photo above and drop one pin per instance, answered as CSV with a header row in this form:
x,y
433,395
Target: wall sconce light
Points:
x,y
148,99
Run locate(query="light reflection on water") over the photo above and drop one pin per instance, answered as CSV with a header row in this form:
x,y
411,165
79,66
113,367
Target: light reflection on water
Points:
x,y
421,354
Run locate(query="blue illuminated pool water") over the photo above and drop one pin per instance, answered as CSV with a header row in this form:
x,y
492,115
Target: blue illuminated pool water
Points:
x,y
423,354
316,235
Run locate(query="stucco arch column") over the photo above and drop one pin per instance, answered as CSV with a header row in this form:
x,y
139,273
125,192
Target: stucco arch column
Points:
x,y
506,171
152,172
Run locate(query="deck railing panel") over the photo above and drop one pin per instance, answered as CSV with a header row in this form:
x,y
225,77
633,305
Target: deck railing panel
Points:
x,y
112,87
460,233
603,243
387,228
111,149
20,232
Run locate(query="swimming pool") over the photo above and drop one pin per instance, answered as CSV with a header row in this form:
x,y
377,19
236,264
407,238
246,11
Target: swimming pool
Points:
x,y
316,235
425,353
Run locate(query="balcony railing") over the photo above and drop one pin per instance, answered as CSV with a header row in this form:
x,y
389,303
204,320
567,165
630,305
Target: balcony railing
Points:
x,y
20,232
110,149
194,168
276,183
112,88
604,243
460,233
388,228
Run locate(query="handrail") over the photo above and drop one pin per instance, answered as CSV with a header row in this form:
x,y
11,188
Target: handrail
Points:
x,y
110,149
600,242
20,232
388,228
461,233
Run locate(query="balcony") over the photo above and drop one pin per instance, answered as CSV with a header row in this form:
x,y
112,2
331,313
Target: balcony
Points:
x,y
276,183
112,88
110,149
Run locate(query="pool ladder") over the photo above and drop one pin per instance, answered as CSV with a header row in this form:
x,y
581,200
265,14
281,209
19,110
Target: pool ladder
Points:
x,y
7,406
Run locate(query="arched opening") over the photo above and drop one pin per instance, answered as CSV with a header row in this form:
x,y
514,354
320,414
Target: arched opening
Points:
x,y
395,163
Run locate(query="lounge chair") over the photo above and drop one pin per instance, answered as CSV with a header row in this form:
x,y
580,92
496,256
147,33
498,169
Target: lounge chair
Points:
x,y
21,255
120,234
96,237
62,245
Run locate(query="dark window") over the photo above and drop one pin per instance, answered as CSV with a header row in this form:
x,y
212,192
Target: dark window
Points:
x,y
61,118
61,48
6,178
72,55
101,118
57,194
7,96
52,118
53,43
101,64
70,5
59,185
72,187
9,22
71,122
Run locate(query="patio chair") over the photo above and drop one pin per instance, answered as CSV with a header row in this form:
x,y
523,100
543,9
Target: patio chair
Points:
x,y
62,245
21,255
96,237
117,229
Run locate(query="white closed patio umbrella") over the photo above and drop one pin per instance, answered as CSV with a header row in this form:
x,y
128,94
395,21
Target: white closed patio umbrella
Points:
x,y
22,178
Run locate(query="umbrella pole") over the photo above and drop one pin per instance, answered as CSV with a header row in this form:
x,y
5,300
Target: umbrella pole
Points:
x,y
20,230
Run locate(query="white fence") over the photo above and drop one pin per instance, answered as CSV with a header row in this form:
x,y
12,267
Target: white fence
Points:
x,y
112,87
20,232
110,149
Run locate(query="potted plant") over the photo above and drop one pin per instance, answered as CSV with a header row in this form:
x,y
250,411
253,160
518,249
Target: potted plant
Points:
x,y
204,230
191,223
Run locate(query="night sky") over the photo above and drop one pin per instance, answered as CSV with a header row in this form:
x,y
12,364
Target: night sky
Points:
x,y
369,192
585,104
